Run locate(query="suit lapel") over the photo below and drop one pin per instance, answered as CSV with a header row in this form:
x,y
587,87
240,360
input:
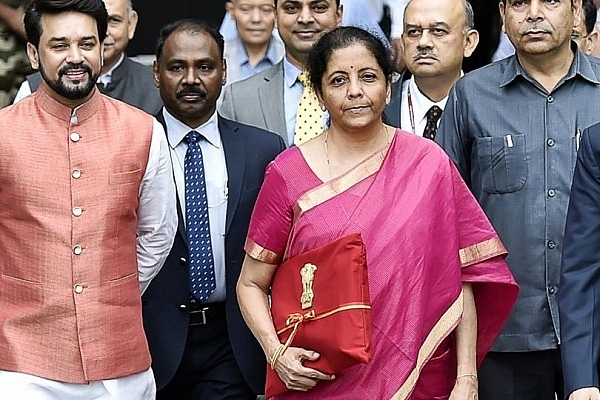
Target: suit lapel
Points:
x,y
271,102
180,224
235,160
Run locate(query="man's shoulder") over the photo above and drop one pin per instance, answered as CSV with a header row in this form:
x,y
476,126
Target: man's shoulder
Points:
x,y
118,106
489,74
263,77
137,69
251,134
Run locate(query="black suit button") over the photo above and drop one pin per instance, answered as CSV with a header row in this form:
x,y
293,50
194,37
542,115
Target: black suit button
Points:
x,y
182,307
183,261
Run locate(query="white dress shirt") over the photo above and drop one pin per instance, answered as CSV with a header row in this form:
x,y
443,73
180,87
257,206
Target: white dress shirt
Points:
x,y
420,105
215,174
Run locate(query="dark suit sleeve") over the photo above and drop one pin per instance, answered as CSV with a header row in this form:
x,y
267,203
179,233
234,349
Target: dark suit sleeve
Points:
x,y
580,274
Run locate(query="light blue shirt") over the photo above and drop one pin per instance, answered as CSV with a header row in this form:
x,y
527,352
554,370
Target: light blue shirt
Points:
x,y
238,64
216,184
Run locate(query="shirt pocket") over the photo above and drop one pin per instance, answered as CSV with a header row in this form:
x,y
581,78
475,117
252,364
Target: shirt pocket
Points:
x,y
503,163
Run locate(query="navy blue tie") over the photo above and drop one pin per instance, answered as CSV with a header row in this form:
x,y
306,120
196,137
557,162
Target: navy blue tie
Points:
x,y
201,263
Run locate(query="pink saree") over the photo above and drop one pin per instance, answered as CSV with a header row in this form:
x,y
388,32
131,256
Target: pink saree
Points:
x,y
424,234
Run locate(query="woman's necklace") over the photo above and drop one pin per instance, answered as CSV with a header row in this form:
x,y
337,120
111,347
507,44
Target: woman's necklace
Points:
x,y
326,140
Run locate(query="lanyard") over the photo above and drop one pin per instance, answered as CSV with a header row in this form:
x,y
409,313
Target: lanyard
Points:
x,y
411,112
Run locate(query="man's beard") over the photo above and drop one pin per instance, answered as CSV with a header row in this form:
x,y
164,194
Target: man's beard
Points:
x,y
75,92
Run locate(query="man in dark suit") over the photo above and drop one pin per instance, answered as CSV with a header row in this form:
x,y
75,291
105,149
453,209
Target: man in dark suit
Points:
x,y
201,348
437,35
578,299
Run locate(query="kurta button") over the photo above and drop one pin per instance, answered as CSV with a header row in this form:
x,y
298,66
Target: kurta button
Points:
x,y
77,250
78,288
552,290
551,244
182,307
551,193
76,174
550,142
75,137
183,261
77,211
550,99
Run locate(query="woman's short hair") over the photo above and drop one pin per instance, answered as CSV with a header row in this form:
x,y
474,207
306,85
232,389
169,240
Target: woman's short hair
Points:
x,y
341,38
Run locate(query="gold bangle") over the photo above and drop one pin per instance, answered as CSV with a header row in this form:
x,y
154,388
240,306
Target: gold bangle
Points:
x,y
474,376
276,355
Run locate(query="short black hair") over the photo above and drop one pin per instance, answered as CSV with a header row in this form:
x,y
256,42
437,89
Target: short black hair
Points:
x,y
589,15
36,8
341,38
188,25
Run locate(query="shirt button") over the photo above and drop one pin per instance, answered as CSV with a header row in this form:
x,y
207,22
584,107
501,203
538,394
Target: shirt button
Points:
x,y
183,261
182,308
551,244
78,288
77,250
551,290
551,193
77,211
75,137
550,99
550,142
76,174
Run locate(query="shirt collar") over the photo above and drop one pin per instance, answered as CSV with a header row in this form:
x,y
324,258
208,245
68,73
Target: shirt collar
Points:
x,y
290,73
272,55
176,130
106,77
581,66
422,104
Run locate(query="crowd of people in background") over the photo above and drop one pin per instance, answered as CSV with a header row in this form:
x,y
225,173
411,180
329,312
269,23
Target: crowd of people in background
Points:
x,y
147,212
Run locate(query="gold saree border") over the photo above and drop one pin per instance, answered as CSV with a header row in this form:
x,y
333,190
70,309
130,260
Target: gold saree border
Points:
x,y
332,188
481,251
259,253
441,330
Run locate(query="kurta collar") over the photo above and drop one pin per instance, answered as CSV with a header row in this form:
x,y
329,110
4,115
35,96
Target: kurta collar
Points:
x,y
65,113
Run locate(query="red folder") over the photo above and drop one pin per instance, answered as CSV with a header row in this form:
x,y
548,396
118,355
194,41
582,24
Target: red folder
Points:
x,y
321,300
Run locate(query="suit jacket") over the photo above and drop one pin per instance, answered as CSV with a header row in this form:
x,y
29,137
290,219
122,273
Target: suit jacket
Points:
x,y
131,82
257,101
579,293
248,150
392,112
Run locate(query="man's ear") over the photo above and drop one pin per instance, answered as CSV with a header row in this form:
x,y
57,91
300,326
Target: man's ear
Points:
x,y
34,57
471,42
591,42
133,21
156,73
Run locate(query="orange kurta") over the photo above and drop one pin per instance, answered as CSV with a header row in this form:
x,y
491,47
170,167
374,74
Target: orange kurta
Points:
x,y
70,305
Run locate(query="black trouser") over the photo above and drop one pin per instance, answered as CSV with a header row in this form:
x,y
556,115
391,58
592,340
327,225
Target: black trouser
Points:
x,y
535,375
208,370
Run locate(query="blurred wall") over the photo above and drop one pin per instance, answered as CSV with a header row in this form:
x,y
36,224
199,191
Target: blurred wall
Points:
x,y
153,14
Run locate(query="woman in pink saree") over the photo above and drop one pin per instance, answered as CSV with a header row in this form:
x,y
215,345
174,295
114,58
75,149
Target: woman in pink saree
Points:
x,y
440,290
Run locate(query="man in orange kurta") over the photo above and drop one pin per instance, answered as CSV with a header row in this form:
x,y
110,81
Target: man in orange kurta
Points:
x,y
86,221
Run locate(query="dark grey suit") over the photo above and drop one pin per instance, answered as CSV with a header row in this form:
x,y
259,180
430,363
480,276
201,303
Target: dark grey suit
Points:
x,y
248,150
